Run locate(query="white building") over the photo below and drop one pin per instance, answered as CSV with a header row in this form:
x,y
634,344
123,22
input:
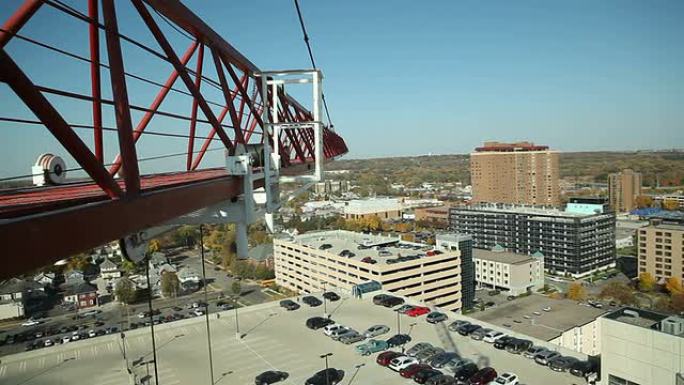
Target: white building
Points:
x,y
584,338
109,270
641,347
383,208
503,270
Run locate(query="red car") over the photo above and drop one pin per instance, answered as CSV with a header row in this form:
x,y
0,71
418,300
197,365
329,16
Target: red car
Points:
x,y
384,358
411,371
417,311
483,377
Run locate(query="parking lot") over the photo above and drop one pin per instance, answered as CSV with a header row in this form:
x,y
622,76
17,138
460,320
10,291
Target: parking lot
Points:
x,y
272,338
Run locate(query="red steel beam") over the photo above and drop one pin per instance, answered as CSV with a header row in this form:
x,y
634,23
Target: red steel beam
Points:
x,y
17,20
94,35
11,74
173,58
193,116
207,141
122,110
149,114
239,137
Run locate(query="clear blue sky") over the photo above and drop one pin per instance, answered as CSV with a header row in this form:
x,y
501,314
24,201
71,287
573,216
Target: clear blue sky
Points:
x,y
413,77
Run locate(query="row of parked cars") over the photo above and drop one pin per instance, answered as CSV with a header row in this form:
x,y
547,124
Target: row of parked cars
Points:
x,y
540,355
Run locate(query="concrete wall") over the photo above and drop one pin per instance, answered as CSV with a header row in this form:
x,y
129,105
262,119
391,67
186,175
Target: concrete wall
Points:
x,y
584,339
11,310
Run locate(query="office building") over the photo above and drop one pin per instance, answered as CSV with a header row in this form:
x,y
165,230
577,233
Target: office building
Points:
x,y
661,250
573,244
383,208
511,272
515,173
587,205
434,216
641,347
463,244
342,260
623,189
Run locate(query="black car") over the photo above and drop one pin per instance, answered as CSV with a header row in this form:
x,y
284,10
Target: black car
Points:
x,y
289,304
425,374
380,298
325,377
518,345
583,368
330,296
312,301
398,339
325,246
502,342
318,322
270,377
562,363
464,373
392,301
468,329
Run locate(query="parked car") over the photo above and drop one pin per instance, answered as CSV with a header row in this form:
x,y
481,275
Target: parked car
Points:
x,y
479,334
398,340
392,301
404,308
289,304
411,370
457,363
352,338
196,312
426,355
376,330
507,378
457,324
518,345
318,322
312,301
562,363
440,379
464,373
417,311
370,347
369,260
491,336
483,377
467,329
435,317
328,330
325,246
385,358
344,332
30,322
91,333
417,348
438,361
533,351
403,362
502,342
331,296
583,368
423,375
378,299
48,342
270,377
325,377
543,358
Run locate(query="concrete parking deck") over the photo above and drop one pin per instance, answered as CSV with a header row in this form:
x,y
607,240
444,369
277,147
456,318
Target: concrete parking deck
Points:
x,y
272,339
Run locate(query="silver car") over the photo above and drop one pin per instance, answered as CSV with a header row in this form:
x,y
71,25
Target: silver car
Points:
x,y
375,331
339,333
457,363
457,324
417,348
479,333
426,355
352,338
533,351
439,360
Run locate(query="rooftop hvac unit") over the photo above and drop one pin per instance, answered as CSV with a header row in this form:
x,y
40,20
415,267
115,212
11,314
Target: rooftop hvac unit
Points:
x,y
672,325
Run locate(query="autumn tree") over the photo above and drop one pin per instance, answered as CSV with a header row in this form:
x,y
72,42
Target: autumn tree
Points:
x,y
154,246
78,262
677,302
619,292
125,291
128,266
670,204
646,281
576,292
644,201
170,285
674,285
236,288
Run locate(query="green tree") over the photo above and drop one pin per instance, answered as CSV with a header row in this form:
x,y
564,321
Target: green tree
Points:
x,y
170,285
236,288
125,291
128,266
646,281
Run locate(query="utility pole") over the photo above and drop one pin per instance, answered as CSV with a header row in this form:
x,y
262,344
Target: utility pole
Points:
x,y
327,377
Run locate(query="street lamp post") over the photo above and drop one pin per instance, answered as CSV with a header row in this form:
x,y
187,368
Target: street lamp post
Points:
x,y
237,323
357,367
327,377
325,303
398,323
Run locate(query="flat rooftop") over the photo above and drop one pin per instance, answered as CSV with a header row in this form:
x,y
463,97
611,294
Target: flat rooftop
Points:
x,y
529,210
525,315
670,226
502,256
637,317
371,245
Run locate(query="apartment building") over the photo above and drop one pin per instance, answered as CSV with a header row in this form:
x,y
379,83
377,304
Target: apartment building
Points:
x,y
641,347
514,273
463,244
383,208
584,338
574,244
623,188
515,173
661,250
344,260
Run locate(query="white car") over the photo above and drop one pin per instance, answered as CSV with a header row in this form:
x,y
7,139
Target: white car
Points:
x,y
328,330
48,342
400,363
141,315
198,312
74,336
30,322
492,336
547,308
92,333
507,378
65,339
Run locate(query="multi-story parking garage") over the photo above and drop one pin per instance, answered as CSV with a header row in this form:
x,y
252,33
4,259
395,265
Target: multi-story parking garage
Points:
x,y
343,259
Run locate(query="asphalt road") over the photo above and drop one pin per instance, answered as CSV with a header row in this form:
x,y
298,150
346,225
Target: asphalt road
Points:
x,y
272,339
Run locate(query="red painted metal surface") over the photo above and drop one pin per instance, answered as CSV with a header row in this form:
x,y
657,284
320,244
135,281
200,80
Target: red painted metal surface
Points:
x,y
103,206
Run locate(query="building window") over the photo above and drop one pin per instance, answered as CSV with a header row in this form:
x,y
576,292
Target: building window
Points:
x,y
615,380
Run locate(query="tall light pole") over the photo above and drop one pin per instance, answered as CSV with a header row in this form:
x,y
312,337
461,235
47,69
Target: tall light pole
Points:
x,y
327,377
237,324
325,303
398,323
357,367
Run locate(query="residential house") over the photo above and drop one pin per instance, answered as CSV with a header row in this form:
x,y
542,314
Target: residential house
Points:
x,y
261,255
17,295
46,279
109,269
83,294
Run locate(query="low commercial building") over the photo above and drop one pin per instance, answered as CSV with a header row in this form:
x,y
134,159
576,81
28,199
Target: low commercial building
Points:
x,y
661,250
641,347
383,208
435,216
342,260
511,272
573,244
